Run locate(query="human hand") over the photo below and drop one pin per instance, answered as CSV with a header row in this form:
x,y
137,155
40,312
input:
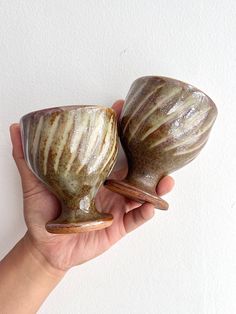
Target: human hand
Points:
x,y
62,252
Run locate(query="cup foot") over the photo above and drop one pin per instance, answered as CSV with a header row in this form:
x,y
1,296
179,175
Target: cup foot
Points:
x,y
64,226
135,194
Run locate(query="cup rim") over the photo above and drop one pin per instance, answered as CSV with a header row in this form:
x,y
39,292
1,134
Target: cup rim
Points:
x,y
182,83
68,108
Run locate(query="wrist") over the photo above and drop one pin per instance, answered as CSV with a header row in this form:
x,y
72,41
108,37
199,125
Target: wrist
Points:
x,y
26,272
37,258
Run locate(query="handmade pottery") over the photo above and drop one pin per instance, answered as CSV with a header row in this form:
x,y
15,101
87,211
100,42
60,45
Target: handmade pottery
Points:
x,y
163,126
72,150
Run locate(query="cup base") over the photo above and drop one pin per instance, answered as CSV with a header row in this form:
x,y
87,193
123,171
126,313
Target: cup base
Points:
x,y
135,194
62,226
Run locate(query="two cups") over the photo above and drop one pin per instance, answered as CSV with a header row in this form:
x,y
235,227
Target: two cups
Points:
x,y
163,126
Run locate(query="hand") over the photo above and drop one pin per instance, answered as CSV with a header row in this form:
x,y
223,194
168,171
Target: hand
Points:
x,y
65,251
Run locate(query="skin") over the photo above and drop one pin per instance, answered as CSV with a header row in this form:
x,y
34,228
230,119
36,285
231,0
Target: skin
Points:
x,y
40,260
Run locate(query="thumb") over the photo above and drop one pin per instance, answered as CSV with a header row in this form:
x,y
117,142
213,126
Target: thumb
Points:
x,y
29,181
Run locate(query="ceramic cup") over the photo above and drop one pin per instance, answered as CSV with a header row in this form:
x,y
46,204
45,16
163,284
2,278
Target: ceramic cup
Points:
x,y
72,150
163,126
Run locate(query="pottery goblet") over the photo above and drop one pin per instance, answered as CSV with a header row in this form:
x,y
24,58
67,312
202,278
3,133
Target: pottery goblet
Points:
x,y
72,150
163,126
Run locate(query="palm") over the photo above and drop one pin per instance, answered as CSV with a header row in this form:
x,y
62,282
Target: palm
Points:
x,y
65,251
40,206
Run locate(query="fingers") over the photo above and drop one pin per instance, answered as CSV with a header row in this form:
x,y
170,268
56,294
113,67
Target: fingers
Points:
x,y
117,106
27,177
137,217
165,185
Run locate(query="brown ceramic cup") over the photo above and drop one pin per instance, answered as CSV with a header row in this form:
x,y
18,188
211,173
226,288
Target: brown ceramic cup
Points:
x,y
72,150
163,126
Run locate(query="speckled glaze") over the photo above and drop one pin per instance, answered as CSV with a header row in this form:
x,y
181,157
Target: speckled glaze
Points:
x,y
72,150
163,126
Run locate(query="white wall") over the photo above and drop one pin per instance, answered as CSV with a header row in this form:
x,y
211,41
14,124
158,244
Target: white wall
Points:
x,y
62,52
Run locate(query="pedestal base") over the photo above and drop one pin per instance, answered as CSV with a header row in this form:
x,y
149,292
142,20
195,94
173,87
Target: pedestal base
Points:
x,y
135,194
62,225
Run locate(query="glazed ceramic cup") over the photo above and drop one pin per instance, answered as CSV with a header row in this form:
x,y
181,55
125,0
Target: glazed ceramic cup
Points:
x,y
163,126
72,150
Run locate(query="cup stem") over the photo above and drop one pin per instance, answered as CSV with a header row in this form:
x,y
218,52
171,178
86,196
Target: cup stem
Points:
x,y
145,182
78,216
136,189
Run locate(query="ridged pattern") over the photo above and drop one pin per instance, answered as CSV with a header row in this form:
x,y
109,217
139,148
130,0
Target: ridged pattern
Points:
x,y
167,119
72,149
